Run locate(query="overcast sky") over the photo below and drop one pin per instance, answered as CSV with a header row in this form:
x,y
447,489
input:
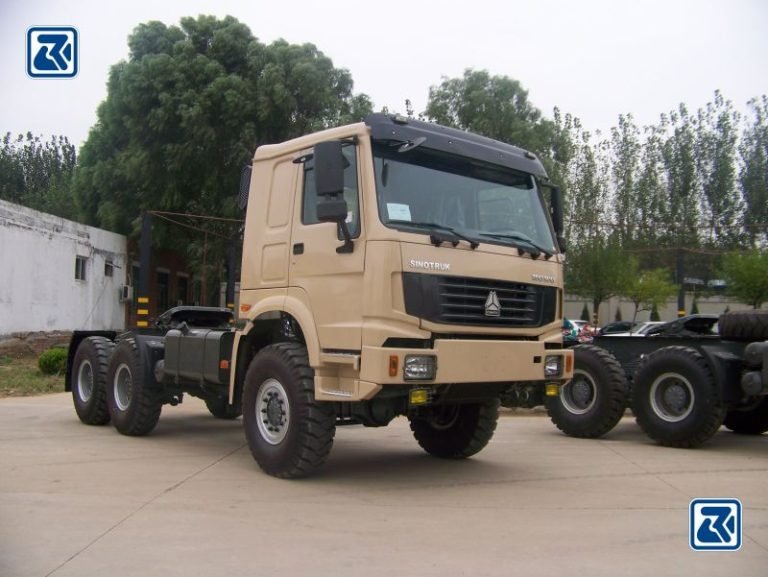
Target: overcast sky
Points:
x,y
595,59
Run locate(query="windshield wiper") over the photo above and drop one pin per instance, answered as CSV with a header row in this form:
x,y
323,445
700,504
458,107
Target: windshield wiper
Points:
x,y
535,249
437,239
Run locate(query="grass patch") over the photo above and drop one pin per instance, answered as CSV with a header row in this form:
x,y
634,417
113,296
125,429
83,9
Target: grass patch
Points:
x,y
21,377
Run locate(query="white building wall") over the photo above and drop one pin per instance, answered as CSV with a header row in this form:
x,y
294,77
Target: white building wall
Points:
x,y
38,288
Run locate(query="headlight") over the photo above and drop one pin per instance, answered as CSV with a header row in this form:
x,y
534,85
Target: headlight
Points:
x,y
419,368
553,366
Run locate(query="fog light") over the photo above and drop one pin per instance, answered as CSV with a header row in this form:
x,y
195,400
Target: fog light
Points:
x,y
419,368
553,366
419,397
552,390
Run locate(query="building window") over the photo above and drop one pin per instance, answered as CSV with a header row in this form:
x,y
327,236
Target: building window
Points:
x,y
80,264
109,268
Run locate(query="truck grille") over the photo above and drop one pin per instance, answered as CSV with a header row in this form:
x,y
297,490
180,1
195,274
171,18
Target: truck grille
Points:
x,y
475,301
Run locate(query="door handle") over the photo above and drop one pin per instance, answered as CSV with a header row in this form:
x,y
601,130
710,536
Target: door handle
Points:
x,y
298,248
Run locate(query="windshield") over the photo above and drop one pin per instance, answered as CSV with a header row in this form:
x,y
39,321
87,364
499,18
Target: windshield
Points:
x,y
484,202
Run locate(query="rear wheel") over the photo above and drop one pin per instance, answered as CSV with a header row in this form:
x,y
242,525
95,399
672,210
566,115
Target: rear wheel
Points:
x,y
455,431
290,434
89,378
675,398
595,399
133,405
752,421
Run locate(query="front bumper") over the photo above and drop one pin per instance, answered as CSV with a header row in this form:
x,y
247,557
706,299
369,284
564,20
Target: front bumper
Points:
x,y
468,361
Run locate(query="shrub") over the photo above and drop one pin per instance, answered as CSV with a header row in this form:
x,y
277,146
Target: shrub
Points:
x,y
53,361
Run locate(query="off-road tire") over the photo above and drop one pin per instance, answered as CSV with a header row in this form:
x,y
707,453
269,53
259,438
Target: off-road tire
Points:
x,y
594,401
134,406
455,431
89,378
290,434
675,398
751,325
752,421
221,409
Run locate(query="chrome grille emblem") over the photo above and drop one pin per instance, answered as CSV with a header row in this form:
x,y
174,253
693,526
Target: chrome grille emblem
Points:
x,y
492,305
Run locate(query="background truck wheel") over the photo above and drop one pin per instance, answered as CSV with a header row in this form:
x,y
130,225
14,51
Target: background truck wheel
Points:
x,y
221,409
455,431
675,398
289,433
753,421
751,325
133,406
89,378
595,399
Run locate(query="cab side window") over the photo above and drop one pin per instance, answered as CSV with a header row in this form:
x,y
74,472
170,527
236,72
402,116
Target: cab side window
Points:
x,y
351,193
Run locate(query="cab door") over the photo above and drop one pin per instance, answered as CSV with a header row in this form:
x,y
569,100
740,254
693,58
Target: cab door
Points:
x,y
330,282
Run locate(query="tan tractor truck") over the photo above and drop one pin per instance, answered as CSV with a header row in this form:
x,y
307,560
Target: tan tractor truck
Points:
x,y
390,268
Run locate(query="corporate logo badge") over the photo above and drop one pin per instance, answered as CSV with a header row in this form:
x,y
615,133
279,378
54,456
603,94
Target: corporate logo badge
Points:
x,y
715,524
52,52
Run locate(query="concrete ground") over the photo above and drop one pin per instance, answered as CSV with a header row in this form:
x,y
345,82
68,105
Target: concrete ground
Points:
x,y
189,500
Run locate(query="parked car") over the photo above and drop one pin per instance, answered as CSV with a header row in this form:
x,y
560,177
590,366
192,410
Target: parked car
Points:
x,y
617,327
637,330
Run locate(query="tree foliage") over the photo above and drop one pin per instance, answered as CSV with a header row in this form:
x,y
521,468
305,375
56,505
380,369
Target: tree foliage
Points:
x,y
188,108
494,106
37,173
597,269
747,276
647,290
753,176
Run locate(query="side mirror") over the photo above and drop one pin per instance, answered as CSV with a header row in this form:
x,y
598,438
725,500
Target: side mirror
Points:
x,y
245,185
556,207
329,168
329,184
557,210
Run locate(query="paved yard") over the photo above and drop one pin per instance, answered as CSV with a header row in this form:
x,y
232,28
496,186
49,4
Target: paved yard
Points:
x,y
188,500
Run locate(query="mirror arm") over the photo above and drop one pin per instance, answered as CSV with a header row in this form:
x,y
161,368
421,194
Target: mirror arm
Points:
x,y
348,245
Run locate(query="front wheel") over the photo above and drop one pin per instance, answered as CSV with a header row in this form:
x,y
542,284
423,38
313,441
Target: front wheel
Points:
x,y
133,405
290,434
594,400
675,398
455,431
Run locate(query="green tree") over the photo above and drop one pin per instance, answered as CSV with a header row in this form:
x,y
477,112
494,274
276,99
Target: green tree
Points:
x,y
647,289
679,157
494,106
753,176
716,163
625,156
747,276
38,174
597,269
587,203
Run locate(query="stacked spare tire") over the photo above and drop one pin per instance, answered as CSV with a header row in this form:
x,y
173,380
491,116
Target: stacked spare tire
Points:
x,y
681,389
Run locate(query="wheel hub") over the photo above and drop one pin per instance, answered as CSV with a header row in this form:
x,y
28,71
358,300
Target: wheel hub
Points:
x,y
123,387
85,382
672,397
272,411
579,395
